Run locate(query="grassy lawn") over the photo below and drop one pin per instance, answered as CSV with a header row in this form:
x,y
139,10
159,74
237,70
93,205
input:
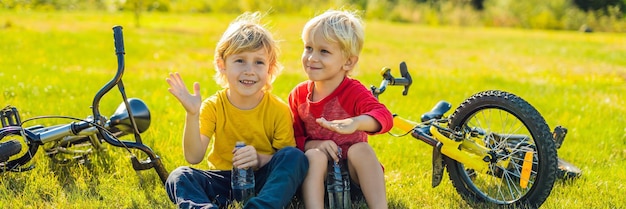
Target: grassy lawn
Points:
x,y
54,63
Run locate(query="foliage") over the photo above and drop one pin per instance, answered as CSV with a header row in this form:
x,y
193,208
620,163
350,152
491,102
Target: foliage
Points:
x,y
604,15
595,5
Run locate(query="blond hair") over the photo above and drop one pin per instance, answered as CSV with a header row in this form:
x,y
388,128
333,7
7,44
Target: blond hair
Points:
x,y
246,34
342,27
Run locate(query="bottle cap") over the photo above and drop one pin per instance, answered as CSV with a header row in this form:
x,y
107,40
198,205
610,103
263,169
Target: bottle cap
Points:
x,y
240,144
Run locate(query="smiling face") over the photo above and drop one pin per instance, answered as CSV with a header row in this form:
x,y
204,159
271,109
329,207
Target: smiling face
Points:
x,y
246,35
323,60
247,73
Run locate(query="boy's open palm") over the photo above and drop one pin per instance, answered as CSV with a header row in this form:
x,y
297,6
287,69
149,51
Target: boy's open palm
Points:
x,y
345,126
191,102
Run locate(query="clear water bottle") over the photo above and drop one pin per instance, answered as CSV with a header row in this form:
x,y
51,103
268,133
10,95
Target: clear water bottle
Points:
x,y
338,186
242,181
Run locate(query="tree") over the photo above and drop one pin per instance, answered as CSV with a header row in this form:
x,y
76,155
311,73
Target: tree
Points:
x,y
593,5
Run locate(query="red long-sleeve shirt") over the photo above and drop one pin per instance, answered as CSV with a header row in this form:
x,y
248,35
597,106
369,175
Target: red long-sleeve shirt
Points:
x,y
350,99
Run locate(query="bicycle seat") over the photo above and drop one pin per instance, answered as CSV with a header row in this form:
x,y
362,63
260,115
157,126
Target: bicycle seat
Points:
x,y
437,112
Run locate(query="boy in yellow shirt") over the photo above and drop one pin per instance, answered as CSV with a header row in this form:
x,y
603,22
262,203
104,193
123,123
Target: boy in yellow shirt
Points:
x,y
244,110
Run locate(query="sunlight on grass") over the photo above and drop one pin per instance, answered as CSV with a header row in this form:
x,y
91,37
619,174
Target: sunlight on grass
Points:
x,y
54,63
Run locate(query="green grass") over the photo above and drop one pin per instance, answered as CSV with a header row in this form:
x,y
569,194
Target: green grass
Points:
x,y
53,64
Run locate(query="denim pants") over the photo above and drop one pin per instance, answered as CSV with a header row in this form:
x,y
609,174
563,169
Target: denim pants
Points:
x,y
276,183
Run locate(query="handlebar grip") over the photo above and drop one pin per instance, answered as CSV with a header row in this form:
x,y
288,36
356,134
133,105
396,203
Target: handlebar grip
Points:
x,y
406,79
404,72
119,39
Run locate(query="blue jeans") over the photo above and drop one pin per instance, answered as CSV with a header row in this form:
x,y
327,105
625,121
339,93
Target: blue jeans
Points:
x,y
276,183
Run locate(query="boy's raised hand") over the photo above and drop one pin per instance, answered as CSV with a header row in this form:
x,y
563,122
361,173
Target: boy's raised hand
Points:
x,y
191,102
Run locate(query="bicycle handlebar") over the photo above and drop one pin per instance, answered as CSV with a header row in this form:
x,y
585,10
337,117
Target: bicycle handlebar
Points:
x,y
119,51
388,79
118,37
76,128
405,81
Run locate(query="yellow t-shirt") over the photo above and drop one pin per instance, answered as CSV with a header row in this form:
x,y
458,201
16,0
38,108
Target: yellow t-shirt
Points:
x,y
268,127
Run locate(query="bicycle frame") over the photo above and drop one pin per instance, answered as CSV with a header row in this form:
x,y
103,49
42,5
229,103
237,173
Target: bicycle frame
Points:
x,y
131,117
434,132
153,160
471,154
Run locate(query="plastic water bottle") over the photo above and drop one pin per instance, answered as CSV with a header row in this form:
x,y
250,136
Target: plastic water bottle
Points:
x,y
338,186
242,181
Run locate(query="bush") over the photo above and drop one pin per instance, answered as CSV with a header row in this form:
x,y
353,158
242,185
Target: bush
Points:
x,y
602,15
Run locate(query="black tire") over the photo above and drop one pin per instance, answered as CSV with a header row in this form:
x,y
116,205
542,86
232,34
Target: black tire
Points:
x,y
505,115
14,133
8,149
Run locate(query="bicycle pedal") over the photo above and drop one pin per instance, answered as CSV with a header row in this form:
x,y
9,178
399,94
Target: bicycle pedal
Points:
x,y
141,165
559,136
438,166
9,116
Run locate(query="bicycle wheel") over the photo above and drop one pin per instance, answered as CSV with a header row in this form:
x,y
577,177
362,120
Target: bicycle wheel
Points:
x,y
515,133
8,149
22,157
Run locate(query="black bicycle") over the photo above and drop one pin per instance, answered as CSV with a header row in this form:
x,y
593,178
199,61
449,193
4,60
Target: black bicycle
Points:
x,y
76,140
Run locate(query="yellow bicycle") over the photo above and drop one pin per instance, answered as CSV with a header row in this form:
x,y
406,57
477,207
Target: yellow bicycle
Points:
x,y
497,148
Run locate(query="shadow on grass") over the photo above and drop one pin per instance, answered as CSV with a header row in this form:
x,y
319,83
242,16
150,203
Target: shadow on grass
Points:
x,y
297,203
149,181
99,164
89,168
568,181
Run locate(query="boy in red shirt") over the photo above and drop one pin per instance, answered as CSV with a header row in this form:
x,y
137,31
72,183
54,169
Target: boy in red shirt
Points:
x,y
332,110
